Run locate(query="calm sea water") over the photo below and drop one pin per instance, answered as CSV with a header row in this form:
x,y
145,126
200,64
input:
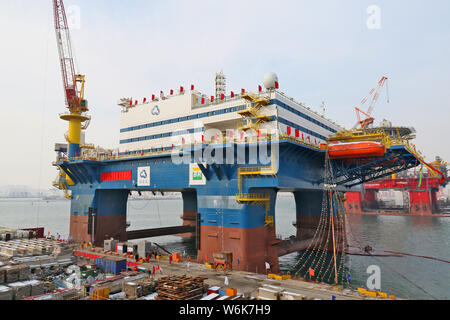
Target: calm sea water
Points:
x,y
412,277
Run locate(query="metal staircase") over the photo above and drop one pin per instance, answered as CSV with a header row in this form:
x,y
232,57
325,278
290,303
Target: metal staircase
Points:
x,y
61,183
256,198
252,116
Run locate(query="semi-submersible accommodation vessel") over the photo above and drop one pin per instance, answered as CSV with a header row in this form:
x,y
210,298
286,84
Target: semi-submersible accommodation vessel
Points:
x,y
228,154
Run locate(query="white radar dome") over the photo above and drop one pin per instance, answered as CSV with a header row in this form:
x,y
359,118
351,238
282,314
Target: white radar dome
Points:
x,y
386,124
269,80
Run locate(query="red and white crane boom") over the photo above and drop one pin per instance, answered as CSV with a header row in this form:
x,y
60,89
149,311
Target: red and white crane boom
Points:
x,y
364,123
73,83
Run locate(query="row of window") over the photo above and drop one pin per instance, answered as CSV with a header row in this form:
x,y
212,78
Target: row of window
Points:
x,y
190,131
145,151
301,114
187,118
162,135
227,110
295,126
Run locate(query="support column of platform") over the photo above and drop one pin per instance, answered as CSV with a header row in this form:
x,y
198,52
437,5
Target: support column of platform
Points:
x,y
353,204
238,228
83,198
421,203
190,210
98,215
309,208
370,199
434,201
112,215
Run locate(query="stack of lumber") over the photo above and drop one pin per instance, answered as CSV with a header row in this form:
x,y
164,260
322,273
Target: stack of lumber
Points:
x,y
180,288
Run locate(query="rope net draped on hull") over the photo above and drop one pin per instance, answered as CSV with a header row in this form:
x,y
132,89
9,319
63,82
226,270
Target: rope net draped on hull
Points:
x,y
325,259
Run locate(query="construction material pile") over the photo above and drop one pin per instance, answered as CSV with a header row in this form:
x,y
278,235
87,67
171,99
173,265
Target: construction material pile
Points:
x,y
66,295
33,247
15,283
103,289
139,288
25,289
7,234
268,292
180,288
5,293
13,273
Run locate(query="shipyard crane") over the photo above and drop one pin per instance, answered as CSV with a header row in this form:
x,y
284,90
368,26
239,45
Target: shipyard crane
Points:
x,y
76,103
73,83
364,123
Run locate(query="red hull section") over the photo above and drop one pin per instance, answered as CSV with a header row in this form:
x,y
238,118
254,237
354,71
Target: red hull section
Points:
x,y
427,183
435,215
422,203
307,226
189,219
251,247
353,203
107,227
79,228
366,149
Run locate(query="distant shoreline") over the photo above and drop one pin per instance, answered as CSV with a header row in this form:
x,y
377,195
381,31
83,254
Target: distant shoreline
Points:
x,y
31,199
63,199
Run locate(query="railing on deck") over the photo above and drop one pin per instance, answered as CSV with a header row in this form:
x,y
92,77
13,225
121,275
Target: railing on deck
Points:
x,y
135,154
253,197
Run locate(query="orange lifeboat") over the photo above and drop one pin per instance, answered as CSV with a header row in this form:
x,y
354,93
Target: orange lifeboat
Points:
x,y
360,149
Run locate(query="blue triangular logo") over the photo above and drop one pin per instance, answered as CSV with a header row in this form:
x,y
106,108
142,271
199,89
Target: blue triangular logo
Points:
x,y
156,111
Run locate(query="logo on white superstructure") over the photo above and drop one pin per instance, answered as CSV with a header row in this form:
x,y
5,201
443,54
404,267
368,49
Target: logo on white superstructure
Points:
x,y
156,111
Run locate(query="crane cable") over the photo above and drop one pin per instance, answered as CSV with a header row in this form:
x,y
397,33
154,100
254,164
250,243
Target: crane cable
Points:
x,y
146,205
157,207
387,91
44,107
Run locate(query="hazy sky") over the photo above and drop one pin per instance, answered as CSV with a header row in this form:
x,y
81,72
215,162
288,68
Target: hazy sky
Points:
x,y
321,51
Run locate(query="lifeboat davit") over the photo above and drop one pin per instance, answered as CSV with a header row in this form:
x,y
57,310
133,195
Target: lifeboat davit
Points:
x,y
360,149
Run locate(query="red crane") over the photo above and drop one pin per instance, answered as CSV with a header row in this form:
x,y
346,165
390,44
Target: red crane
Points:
x,y
73,83
364,123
